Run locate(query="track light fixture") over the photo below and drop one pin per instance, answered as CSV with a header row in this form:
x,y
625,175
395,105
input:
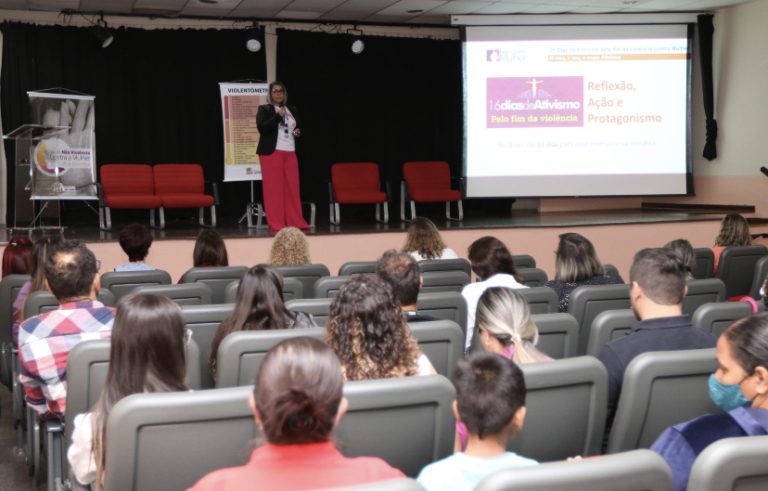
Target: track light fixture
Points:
x,y
101,33
357,41
254,39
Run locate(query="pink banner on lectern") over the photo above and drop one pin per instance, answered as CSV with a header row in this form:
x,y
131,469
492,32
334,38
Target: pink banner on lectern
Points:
x,y
535,102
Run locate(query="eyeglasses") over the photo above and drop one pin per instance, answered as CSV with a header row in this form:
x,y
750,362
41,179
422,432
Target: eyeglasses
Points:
x,y
277,91
187,336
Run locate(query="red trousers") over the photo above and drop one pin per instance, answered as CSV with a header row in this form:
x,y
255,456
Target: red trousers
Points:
x,y
280,181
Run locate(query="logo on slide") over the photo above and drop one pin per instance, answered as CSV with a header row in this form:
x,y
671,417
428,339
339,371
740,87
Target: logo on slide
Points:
x,y
48,156
496,55
535,102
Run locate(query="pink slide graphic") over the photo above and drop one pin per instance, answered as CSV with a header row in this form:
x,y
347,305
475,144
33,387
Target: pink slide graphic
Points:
x,y
535,102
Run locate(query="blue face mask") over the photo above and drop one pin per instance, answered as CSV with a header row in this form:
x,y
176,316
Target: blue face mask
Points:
x,y
726,396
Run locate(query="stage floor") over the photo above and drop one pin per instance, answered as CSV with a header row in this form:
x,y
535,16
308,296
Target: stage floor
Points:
x,y
183,226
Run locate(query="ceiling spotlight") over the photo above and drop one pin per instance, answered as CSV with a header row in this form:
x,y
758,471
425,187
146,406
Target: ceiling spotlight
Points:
x,y
254,40
101,33
357,41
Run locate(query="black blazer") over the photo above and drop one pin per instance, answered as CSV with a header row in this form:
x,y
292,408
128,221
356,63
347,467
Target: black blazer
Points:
x,y
267,121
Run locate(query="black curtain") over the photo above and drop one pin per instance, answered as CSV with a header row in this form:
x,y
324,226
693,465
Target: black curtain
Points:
x,y
706,32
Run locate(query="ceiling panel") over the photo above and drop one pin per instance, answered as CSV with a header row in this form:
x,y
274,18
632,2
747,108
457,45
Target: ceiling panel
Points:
x,y
299,14
176,5
362,7
460,7
405,8
505,8
54,5
218,9
315,5
112,6
259,8
14,4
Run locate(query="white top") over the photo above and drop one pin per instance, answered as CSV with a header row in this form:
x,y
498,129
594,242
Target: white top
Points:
x,y
461,472
446,254
425,366
474,291
79,454
285,140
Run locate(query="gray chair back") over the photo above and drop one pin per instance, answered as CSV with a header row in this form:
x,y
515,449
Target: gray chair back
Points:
x,y
567,403
443,343
203,321
292,288
532,277
523,261
608,326
446,265
197,293
216,277
701,292
611,269
705,263
328,286
736,464
308,274
716,317
406,421
661,389
241,353
761,271
404,484
737,268
558,334
639,470
170,440
43,301
121,283
9,289
541,299
444,281
589,300
357,267
318,308
444,305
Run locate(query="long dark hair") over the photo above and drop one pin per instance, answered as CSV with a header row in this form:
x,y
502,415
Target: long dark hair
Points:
x,y
146,355
209,250
748,338
298,391
489,256
258,305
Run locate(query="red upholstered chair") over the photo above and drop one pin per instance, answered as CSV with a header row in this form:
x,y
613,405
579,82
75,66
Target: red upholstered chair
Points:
x,y
183,186
126,186
428,182
357,183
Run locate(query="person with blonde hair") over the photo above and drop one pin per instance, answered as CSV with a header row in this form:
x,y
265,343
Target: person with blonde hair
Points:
x,y
734,231
505,326
289,248
424,241
577,264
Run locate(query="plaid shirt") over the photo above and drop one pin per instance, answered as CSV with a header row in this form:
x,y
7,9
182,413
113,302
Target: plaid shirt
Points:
x,y
44,345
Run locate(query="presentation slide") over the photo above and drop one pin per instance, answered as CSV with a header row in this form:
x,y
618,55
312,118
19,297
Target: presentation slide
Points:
x,y
577,110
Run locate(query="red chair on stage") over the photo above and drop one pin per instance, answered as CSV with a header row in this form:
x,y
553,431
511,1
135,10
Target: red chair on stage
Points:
x,y
357,183
126,186
183,186
428,182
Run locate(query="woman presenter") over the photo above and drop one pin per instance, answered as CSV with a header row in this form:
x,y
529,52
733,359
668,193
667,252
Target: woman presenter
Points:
x,y
279,167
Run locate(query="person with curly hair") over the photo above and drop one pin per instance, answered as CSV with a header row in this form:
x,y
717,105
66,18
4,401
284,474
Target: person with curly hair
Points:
x,y
369,334
424,241
734,231
258,305
289,248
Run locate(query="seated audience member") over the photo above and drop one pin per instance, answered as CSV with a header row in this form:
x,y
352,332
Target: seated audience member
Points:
x,y
657,278
258,305
402,273
493,265
289,248
576,264
739,387
424,241
734,231
297,402
146,355
45,340
34,284
210,250
369,334
135,240
504,326
685,250
16,256
490,402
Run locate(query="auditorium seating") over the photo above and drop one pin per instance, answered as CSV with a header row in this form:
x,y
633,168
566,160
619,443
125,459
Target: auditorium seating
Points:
x,y
43,301
532,277
443,281
589,300
701,292
558,334
203,321
567,404
357,183
308,274
121,283
639,470
183,294
216,277
183,186
661,389
458,264
443,343
357,267
716,317
541,299
737,268
318,308
608,326
705,263
444,305
293,288
761,272
523,261
429,182
126,186
737,464
328,286
9,289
